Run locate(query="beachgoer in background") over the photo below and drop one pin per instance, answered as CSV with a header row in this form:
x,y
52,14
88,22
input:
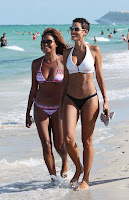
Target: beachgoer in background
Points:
x,y
110,35
115,31
80,95
102,33
47,80
34,36
37,34
124,38
128,38
95,40
3,40
60,32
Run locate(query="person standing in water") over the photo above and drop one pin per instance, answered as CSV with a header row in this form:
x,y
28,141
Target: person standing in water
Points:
x,y
128,38
47,80
80,96
3,40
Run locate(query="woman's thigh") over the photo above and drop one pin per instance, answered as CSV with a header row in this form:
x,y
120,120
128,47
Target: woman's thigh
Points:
x,y
57,129
89,114
70,118
42,123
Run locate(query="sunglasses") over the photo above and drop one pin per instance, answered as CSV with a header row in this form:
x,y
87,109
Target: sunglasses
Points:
x,y
76,29
49,42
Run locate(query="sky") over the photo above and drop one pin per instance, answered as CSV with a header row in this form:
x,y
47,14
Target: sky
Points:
x,y
56,11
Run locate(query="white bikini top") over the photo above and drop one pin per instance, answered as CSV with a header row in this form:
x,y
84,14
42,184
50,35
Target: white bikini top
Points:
x,y
86,66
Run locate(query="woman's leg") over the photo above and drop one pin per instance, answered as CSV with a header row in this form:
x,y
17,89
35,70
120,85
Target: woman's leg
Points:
x,y
70,118
89,114
43,127
59,144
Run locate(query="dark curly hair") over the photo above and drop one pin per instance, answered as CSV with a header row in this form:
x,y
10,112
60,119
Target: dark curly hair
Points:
x,y
59,40
84,23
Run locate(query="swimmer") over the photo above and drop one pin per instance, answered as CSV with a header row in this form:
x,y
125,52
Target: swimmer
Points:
x,y
102,33
115,31
95,40
128,38
110,35
124,38
34,36
3,40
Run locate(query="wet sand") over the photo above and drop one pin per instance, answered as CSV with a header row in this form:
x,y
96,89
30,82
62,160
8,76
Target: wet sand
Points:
x,y
109,178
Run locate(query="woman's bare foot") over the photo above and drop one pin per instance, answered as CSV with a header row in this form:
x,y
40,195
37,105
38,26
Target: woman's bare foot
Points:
x,y
64,170
83,186
77,174
54,180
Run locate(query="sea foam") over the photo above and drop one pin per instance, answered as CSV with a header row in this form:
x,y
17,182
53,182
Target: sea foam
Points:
x,y
16,48
102,39
28,163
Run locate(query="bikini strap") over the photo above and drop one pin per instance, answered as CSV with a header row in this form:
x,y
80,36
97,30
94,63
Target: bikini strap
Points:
x,y
42,62
72,50
57,61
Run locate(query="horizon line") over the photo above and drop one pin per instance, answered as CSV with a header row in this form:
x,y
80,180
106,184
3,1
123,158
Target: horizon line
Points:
x,y
34,24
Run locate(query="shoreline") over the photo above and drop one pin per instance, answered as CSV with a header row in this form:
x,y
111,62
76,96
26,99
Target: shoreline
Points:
x,y
109,177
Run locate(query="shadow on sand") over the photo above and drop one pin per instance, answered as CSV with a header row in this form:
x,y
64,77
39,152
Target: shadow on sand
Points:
x,y
71,195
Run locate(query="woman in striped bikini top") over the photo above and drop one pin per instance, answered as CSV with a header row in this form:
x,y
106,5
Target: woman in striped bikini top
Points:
x,y
57,79
45,93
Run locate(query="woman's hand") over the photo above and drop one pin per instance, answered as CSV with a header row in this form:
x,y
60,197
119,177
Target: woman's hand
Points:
x,y
28,120
106,108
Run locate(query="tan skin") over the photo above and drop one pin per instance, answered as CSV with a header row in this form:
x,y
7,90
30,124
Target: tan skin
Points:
x,y
80,85
48,94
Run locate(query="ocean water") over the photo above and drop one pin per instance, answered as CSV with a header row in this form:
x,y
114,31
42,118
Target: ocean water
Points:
x,y
23,174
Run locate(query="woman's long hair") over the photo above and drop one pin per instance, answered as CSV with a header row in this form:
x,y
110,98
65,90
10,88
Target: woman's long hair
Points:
x,y
59,40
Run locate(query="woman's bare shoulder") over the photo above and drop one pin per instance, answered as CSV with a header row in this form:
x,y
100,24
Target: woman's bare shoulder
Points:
x,y
36,63
94,49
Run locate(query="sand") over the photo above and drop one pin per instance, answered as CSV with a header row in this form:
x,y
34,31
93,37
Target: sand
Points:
x,y
109,178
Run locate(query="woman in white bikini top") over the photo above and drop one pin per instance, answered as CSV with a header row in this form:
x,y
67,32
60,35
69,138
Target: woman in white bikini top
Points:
x,y
80,96
86,66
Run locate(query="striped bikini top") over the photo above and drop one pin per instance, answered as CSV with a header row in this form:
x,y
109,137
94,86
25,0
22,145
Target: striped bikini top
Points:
x,y
87,65
58,78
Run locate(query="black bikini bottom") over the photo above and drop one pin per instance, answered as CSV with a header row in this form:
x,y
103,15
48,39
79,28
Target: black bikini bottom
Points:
x,y
80,102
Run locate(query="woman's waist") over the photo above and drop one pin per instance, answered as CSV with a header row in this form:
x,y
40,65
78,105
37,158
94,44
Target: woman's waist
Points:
x,y
47,99
81,92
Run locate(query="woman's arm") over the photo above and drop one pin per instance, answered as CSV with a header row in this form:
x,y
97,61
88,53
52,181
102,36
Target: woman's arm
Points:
x,y
32,95
65,81
99,77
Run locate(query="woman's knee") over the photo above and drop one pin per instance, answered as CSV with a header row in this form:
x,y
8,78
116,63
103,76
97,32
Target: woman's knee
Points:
x,y
87,143
46,146
69,141
58,146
